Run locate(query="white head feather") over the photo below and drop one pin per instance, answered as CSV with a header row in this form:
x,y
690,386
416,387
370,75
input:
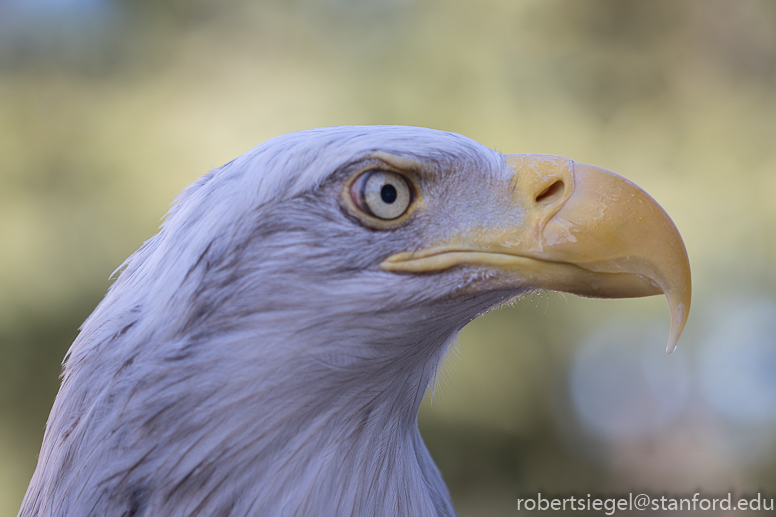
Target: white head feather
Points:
x,y
252,358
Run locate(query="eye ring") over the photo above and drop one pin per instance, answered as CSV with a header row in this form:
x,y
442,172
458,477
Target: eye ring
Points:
x,y
382,194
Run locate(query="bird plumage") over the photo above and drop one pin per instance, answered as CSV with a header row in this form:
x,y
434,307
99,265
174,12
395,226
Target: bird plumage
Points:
x,y
251,359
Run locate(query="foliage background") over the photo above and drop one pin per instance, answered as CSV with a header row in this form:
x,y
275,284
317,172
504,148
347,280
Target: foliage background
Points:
x,y
108,108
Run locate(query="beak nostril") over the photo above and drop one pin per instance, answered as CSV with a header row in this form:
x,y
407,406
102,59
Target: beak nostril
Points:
x,y
551,193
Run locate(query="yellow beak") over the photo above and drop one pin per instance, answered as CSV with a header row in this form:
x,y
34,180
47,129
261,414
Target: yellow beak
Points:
x,y
584,230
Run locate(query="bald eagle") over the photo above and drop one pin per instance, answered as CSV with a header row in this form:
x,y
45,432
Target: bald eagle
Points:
x,y
267,351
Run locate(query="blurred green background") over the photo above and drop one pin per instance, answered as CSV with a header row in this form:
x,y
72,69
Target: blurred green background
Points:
x,y
108,108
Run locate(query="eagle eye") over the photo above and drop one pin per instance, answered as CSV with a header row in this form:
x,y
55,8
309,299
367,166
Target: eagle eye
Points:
x,y
383,194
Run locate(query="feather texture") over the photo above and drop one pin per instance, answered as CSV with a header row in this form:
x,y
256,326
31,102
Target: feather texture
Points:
x,y
252,358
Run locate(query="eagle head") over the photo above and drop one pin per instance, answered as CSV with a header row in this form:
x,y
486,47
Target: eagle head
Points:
x,y
267,351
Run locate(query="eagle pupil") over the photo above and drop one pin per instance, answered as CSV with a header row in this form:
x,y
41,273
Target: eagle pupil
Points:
x,y
388,194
